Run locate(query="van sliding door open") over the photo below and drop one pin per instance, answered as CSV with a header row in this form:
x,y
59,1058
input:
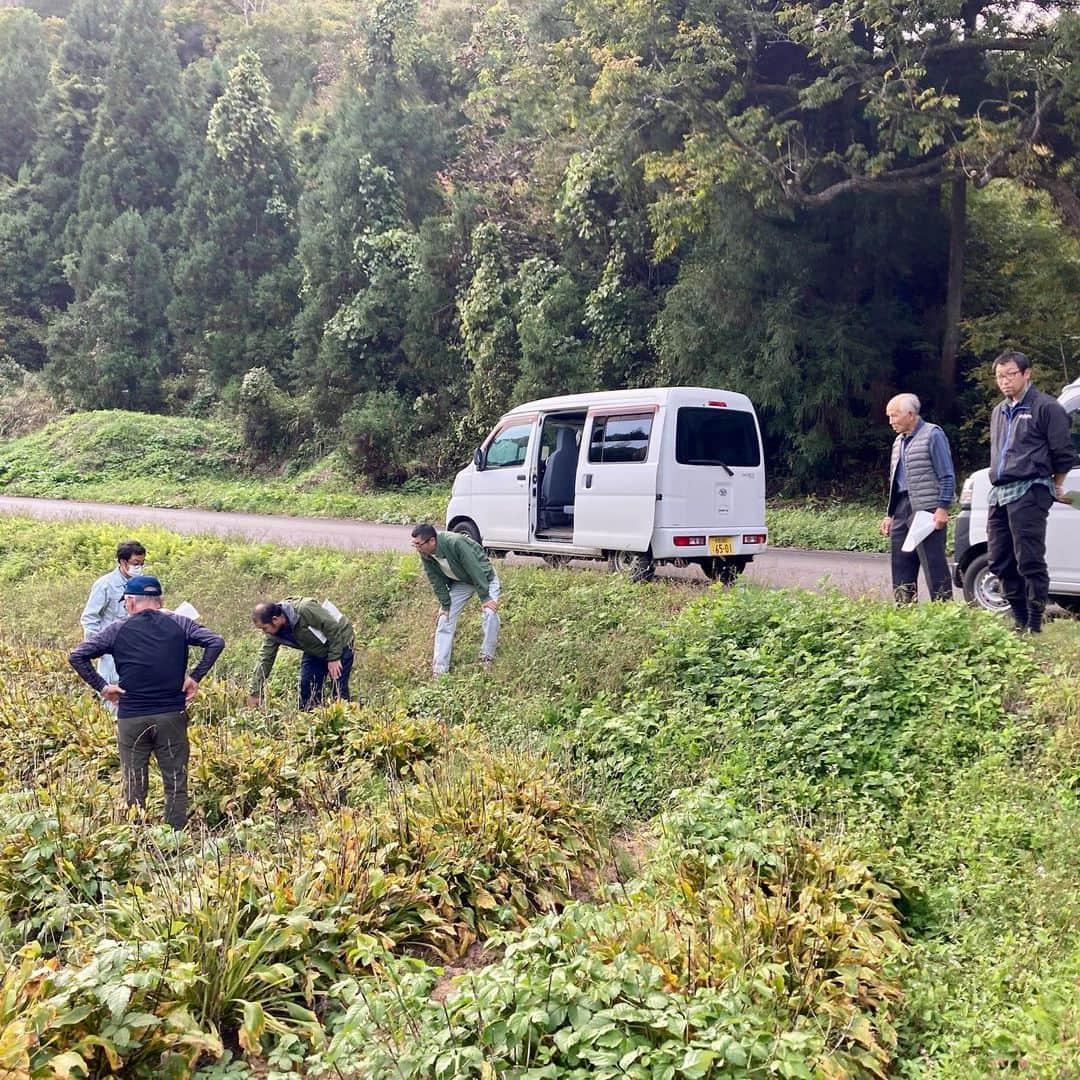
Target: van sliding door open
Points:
x,y
615,487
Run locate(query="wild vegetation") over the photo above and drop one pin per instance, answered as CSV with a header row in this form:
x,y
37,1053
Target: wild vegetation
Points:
x,y
368,227
676,831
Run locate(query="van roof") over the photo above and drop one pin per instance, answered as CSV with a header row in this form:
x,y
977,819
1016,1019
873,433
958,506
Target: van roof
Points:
x,y
646,395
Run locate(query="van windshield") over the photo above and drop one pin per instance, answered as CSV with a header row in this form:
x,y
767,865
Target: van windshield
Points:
x,y
713,436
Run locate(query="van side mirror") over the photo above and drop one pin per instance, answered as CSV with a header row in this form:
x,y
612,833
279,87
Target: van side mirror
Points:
x,y
478,458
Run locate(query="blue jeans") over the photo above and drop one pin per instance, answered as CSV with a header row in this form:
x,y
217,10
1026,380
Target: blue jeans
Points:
x,y
313,673
446,626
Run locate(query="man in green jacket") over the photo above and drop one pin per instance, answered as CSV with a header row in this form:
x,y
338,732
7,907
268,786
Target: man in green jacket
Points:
x,y
457,567
320,632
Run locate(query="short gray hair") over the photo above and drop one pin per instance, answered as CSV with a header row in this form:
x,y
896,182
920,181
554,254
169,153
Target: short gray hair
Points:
x,y
907,402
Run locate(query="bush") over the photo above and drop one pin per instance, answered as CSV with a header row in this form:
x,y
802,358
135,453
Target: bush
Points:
x,y
742,951
889,702
271,422
375,434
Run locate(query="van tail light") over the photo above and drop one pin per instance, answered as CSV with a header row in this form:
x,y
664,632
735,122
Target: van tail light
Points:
x,y
689,541
718,404
753,538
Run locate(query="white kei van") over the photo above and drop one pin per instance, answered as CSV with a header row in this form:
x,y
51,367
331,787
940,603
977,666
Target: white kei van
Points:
x,y
672,474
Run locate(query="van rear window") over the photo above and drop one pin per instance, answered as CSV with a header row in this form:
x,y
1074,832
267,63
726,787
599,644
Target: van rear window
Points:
x,y
714,436
620,438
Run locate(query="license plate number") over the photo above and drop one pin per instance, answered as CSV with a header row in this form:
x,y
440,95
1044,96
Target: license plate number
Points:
x,y
721,545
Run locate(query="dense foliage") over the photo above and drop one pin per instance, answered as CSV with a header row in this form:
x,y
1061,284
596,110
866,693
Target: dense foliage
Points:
x,y
862,864
371,227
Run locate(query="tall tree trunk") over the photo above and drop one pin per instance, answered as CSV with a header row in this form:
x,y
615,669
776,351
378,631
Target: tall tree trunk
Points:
x,y
954,301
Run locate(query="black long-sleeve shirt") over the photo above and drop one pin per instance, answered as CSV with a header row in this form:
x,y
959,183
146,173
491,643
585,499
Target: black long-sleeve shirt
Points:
x,y
150,650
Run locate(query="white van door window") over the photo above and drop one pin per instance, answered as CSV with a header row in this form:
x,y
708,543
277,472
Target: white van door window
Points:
x,y
509,447
620,438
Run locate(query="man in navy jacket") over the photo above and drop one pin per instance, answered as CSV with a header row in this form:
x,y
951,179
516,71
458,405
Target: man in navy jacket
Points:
x,y
153,688
1031,453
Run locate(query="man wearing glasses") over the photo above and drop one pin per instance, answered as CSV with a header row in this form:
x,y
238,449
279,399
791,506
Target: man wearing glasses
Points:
x,y
457,566
1031,453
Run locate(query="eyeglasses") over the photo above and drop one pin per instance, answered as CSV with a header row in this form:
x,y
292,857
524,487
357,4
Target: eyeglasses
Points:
x,y
1015,373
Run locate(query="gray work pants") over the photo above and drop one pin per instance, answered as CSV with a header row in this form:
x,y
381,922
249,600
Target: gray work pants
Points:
x,y
165,736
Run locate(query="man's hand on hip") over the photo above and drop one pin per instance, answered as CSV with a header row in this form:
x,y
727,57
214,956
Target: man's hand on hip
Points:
x,y
112,692
191,688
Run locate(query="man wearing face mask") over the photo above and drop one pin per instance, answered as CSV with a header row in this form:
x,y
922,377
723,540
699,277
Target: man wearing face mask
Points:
x,y
106,602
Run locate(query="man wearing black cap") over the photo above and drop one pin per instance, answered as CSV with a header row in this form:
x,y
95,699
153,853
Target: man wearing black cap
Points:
x,y
150,650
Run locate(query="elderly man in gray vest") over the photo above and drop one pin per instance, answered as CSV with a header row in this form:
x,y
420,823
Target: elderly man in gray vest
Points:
x,y
921,477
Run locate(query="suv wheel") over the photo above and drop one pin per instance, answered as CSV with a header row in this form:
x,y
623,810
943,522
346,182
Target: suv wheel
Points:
x,y
982,588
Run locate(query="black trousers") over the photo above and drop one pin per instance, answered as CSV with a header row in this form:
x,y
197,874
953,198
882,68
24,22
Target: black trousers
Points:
x,y
1016,537
165,736
930,555
313,674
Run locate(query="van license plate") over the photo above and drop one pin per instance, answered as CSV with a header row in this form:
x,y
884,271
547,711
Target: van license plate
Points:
x,y
721,545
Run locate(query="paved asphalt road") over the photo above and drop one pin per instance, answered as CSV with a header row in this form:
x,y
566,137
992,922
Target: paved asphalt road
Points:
x,y
854,573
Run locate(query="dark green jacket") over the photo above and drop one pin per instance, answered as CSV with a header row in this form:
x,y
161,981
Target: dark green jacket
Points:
x,y
305,617
467,562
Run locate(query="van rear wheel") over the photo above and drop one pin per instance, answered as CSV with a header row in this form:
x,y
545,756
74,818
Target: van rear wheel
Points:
x,y
467,528
724,570
637,565
558,562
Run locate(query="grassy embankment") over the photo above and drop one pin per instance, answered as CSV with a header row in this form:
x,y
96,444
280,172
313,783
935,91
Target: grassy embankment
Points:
x,y
176,462
672,833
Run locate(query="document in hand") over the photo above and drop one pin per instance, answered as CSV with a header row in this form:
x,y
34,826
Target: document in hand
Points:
x,y
1071,498
187,610
922,525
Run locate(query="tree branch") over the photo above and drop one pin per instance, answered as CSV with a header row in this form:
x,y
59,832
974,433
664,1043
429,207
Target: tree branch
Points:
x,y
977,44
997,166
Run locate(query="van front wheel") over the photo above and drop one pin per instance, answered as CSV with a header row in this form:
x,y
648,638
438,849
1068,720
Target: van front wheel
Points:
x,y
467,528
982,588
638,565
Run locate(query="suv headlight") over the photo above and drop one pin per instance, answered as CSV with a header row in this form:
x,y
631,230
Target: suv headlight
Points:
x,y
966,493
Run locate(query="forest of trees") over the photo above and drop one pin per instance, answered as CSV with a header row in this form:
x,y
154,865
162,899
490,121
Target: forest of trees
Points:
x,y
374,225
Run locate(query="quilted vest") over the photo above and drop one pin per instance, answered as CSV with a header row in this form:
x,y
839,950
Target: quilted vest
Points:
x,y
922,482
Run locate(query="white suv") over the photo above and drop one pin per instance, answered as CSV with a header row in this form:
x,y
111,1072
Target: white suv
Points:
x,y
972,563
